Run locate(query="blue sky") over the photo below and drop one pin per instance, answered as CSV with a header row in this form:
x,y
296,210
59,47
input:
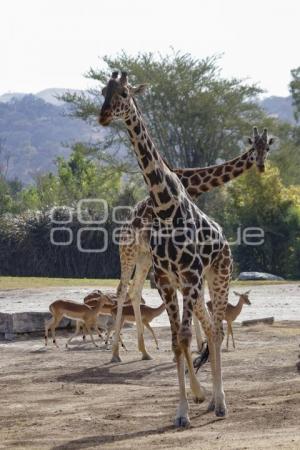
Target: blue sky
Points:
x,y
53,43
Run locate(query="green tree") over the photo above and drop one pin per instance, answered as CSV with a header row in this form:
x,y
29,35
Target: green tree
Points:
x,y
5,197
286,152
263,201
77,178
295,91
194,114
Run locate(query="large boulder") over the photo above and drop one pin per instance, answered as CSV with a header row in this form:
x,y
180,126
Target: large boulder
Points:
x,y
258,276
25,322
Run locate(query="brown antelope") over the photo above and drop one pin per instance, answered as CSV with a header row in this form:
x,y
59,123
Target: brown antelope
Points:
x,y
105,321
147,313
111,297
109,307
232,312
80,312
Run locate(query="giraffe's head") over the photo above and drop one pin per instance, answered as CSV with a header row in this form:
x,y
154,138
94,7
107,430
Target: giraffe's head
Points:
x,y
261,146
118,98
244,297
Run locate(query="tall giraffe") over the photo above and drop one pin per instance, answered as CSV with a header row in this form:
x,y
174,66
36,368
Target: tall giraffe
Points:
x,y
184,243
134,249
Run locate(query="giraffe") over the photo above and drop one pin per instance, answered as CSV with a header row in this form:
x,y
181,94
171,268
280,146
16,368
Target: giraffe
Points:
x,y
134,249
185,244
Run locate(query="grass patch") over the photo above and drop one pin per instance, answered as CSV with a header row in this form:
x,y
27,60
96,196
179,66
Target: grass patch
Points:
x,y
43,282
262,282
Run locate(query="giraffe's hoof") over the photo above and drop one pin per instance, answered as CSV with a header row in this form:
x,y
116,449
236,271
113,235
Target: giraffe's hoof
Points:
x,y
182,422
199,400
211,406
146,357
221,411
115,359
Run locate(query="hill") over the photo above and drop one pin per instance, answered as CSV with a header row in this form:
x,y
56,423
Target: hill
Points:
x,y
34,129
48,95
280,107
34,132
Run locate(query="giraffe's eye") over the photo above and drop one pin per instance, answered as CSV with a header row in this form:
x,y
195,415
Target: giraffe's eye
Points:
x,y
124,94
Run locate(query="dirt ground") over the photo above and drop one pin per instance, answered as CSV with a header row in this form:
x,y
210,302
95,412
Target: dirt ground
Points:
x,y
75,399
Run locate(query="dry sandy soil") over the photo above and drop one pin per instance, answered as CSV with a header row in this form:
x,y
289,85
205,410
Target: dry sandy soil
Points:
x,y
75,399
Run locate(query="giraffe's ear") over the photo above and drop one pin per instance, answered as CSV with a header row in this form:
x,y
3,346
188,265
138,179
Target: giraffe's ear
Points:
x,y
271,141
250,141
236,293
140,89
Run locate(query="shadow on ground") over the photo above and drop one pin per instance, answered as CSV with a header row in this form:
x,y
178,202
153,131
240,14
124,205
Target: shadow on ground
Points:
x,y
97,441
108,375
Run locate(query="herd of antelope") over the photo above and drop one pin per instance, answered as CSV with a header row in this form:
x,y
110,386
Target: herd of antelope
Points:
x,y
98,313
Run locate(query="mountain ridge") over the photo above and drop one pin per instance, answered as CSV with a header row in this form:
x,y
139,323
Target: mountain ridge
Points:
x,y
35,128
34,132
49,95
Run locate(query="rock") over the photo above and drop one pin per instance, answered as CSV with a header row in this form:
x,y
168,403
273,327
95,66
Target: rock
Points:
x,y
268,320
25,322
246,276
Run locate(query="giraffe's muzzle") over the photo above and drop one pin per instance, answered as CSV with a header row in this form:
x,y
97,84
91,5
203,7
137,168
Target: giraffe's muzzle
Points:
x,y
261,168
105,117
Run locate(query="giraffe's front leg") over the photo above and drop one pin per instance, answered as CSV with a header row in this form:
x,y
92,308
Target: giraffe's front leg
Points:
x,y
204,317
218,288
182,419
168,295
198,334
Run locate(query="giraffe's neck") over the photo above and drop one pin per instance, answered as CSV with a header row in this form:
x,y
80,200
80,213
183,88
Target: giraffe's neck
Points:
x,y
199,180
165,188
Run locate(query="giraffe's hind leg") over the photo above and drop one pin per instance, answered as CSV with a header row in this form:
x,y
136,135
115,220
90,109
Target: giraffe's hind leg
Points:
x,y
143,264
128,255
218,278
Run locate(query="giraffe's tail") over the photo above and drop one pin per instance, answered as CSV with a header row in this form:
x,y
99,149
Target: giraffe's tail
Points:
x,y
201,359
